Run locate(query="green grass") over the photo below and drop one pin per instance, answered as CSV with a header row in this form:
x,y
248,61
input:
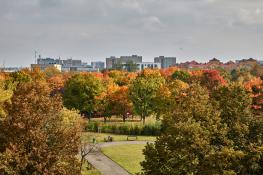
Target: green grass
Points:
x,y
85,171
127,156
88,136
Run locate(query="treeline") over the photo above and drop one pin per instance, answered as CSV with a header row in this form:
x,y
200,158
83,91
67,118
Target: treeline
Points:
x,y
211,119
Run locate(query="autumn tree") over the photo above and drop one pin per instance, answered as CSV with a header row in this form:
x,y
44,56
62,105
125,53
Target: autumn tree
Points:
x,y
181,75
186,136
119,103
255,87
5,95
121,78
208,135
257,70
143,90
16,78
40,137
212,79
167,96
242,127
80,93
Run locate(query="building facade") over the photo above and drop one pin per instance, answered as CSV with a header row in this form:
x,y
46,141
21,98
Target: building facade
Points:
x,y
64,65
98,65
148,65
43,67
112,61
165,61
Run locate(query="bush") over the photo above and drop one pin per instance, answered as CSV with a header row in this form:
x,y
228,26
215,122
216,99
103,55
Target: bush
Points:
x,y
151,129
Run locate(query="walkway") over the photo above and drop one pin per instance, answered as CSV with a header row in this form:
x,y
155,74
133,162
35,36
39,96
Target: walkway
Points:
x,y
105,165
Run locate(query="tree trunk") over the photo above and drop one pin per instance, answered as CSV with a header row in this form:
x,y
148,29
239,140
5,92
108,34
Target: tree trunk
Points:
x,y
123,118
81,162
105,119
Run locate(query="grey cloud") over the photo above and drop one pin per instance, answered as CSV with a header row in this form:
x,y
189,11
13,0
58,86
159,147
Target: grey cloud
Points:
x,y
96,29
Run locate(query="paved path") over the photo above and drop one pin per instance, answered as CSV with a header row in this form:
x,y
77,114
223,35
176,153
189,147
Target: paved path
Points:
x,y
105,165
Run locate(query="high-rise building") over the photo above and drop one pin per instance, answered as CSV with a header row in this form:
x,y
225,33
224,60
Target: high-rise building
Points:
x,y
165,61
112,61
148,65
98,65
47,61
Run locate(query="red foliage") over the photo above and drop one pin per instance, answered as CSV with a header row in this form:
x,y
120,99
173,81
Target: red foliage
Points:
x,y
212,79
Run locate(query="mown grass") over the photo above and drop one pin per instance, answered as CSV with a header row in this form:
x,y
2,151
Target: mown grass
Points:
x,y
85,171
88,137
127,156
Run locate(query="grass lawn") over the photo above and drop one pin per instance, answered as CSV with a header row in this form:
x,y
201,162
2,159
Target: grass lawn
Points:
x,y
128,156
85,171
87,136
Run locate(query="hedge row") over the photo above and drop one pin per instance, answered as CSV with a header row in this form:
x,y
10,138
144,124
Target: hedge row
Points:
x,y
152,129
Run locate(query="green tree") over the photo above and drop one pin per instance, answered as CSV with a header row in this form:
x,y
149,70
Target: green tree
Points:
x,y
204,135
186,136
143,90
80,93
36,135
5,95
16,78
181,75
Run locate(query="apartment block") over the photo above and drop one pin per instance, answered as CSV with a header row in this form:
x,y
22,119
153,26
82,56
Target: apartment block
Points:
x,y
165,61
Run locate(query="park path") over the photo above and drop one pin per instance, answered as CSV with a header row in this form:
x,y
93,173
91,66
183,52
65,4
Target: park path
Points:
x,y
104,164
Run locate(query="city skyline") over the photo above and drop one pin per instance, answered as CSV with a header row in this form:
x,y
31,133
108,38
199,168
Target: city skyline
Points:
x,y
94,30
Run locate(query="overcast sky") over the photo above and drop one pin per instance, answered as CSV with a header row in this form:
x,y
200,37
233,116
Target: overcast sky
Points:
x,y
95,29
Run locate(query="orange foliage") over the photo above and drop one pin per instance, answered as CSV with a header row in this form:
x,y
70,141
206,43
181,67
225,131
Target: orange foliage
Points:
x,y
254,82
168,72
56,82
151,73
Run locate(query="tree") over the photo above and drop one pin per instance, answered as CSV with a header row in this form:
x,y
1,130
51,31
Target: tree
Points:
x,y
208,134
16,78
243,126
80,93
255,87
51,72
257,70
181,75
119,103
5,95
167,96
121,78
186,136
38,137
143,90
212,79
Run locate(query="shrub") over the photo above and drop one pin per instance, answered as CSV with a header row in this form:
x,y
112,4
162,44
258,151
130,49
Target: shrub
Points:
x,y
150,129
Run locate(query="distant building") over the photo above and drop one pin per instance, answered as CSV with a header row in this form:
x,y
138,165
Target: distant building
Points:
x,y
112,61
72,63
43,67
98,65
148,65
247,63
64,65
165,61
47,61
11,69
211,64
260,62
191,65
